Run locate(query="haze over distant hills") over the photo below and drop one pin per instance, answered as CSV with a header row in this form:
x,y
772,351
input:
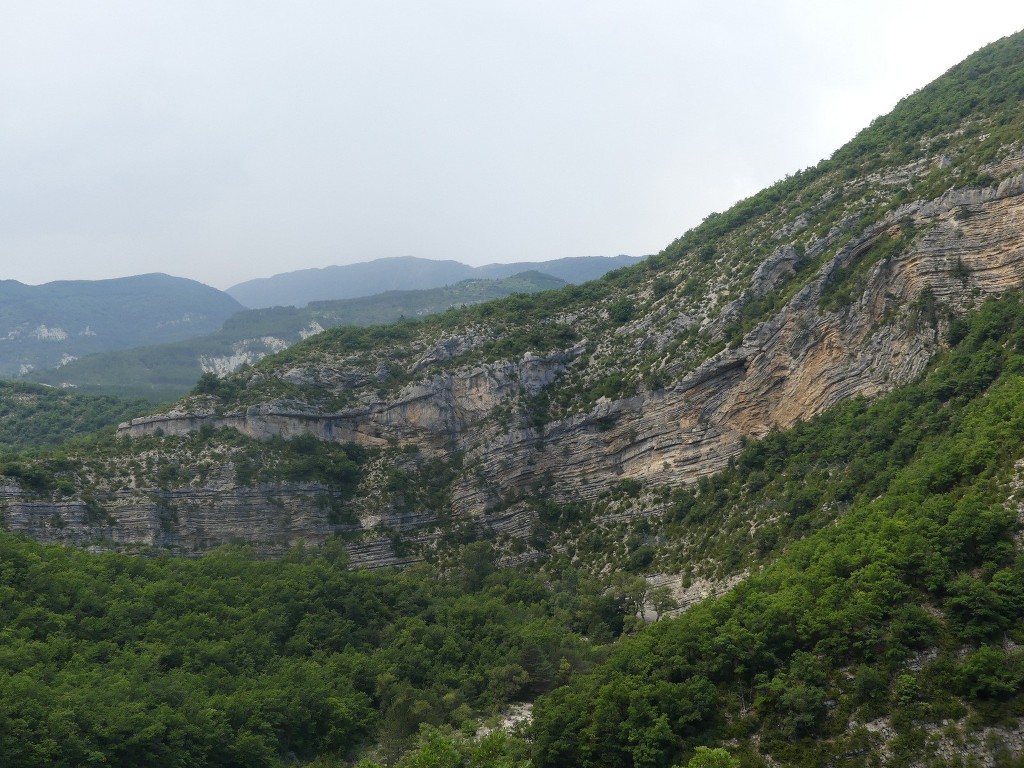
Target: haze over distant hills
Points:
x,y
166,371
42,326
153,335
404,273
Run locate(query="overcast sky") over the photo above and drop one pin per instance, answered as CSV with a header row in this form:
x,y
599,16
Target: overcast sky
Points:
x,y
236,139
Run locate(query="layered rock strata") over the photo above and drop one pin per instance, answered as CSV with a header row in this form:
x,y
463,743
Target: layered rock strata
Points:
x,y
962,247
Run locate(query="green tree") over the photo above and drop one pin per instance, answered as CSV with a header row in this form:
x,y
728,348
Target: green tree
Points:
x,y
705,757
662,600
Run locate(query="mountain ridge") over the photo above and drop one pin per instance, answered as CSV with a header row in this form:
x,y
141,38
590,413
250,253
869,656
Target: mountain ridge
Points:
x,y
838,281
301,287
169,371
45,325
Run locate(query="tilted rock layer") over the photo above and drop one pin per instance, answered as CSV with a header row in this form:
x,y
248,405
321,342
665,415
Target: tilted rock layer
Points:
x,y
966,245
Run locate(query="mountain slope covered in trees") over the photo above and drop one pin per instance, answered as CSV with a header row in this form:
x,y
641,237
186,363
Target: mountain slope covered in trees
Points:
x,y
42,326
33,416
894,632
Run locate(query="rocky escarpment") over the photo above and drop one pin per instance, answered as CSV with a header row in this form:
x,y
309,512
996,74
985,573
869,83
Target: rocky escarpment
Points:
x,y
838,282
812,353
791,367
435,413
969,244
194,519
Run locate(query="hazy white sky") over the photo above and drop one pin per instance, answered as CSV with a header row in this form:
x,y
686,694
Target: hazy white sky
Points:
x,y
231,139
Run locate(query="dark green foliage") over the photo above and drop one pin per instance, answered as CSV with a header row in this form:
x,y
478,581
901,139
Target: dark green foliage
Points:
x,y
992,673
540,338
424,486
303,458
235,662
923,559
437,748
621,311
712,758
212,384
662,285
33,479
989,84
32,416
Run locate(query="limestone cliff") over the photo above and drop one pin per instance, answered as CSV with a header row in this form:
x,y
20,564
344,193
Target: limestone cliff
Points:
x,y
838,282
966,244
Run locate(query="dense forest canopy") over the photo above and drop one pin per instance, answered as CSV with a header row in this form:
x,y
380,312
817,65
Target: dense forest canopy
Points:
x,y
34,416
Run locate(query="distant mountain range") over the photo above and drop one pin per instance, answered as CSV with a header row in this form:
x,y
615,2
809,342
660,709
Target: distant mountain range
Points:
x,y
153,335
404,273
44,326
166,371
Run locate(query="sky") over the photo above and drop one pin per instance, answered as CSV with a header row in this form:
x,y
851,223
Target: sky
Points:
x,y
233,139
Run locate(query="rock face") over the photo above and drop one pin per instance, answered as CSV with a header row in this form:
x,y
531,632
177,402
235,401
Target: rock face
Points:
x,y
191,521
806,356
245,352
435,413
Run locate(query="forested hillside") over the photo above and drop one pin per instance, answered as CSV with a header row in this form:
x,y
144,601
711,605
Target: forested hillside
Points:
x,y
227,660
43,326
892,633
33,416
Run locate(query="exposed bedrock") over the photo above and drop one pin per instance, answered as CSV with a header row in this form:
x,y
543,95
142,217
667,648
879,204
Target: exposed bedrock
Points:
x,y
966,245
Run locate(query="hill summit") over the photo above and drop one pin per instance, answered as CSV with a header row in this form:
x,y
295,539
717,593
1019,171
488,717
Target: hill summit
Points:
x,y
43,326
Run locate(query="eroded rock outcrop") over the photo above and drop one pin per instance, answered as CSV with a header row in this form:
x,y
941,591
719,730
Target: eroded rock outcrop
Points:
x,y
807,356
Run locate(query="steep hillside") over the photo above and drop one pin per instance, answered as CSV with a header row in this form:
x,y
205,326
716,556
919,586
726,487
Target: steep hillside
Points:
x,y
403,273
839,281
168,371
891,637
43,326
842,280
